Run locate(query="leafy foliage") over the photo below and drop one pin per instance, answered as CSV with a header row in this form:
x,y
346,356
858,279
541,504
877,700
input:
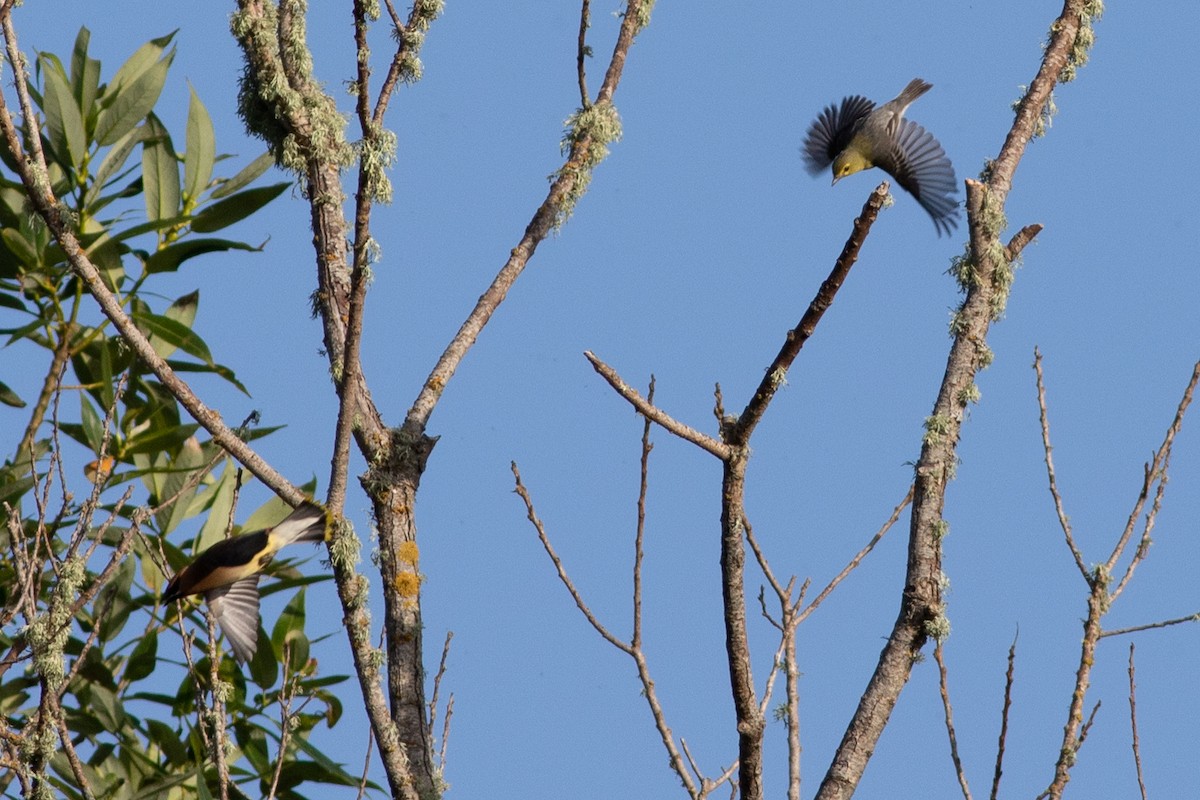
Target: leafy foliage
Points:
x,y
86,648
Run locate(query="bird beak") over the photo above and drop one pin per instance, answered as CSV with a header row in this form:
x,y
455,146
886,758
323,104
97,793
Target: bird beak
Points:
x,y
836,178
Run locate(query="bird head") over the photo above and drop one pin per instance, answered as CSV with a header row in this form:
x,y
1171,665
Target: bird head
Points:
x,y
848,162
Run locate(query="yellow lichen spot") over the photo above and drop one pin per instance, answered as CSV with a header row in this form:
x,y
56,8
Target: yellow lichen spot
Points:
x,y
408,553
407,584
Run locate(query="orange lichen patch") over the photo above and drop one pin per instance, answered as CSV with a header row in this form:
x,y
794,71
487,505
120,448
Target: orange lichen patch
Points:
x,y
408,553
407,584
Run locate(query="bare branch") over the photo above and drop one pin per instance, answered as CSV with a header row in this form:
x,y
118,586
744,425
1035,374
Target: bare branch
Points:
x,y
531,514
1063,520
1152,625
776,374
985,277
1156,470
944,687
1137,746
654,413
640,536
858,557
1000,745
582,52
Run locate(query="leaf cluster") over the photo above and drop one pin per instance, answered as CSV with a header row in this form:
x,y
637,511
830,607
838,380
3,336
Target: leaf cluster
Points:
x,y
86,706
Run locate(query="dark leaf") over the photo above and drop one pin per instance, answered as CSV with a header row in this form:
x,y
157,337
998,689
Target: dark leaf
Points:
x,y
169,258
235,208
245,177
10,398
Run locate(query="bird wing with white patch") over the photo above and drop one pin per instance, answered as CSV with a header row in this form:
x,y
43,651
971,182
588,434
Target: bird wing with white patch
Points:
x,y
236,608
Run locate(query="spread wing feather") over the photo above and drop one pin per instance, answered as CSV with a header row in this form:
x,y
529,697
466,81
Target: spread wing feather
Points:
x,y
831,131
236,608
920,166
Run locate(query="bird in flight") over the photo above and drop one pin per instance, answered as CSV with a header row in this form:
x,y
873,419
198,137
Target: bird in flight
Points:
x,y
856,135
227,574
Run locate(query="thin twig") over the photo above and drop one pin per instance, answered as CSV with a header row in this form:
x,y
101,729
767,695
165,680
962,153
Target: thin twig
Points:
x,y
1063,521
531,514
1137,745
437,679
286,695
639,538
633,649
652,412
1000,745
776,374
446,733
366,770
582,53
216,714
944,687
859,556
1152,625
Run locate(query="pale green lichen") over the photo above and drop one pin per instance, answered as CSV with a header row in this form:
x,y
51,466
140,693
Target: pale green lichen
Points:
x,y
969,395
938,628
588,133
941,529
642,16
345,548
377,153
269,102
1085,38
936,427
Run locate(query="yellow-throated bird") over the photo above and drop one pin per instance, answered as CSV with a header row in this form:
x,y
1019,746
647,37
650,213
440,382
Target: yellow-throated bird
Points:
x,y
227,574
856,136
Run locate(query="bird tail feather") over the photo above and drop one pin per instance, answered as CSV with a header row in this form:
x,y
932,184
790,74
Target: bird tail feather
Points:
x,y
916,87
308,523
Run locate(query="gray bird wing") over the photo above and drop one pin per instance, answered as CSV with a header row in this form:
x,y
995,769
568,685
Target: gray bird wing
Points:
x,y
830,132
236,608
919,164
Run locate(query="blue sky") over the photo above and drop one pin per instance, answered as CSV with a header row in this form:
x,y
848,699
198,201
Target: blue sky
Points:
x,y
699,244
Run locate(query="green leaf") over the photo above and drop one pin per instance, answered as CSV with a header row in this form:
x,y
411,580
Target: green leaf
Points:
x,y
289,630
247,176
185,464
144,657
142,60
64,123
219,370
164,736
166,335
235,208
93,424
152,225
13,302
9,397
133,99
334,770
202,792
220,505
85,73
171,257
160,172
21,247
264,669
201,150
157,440
113,161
